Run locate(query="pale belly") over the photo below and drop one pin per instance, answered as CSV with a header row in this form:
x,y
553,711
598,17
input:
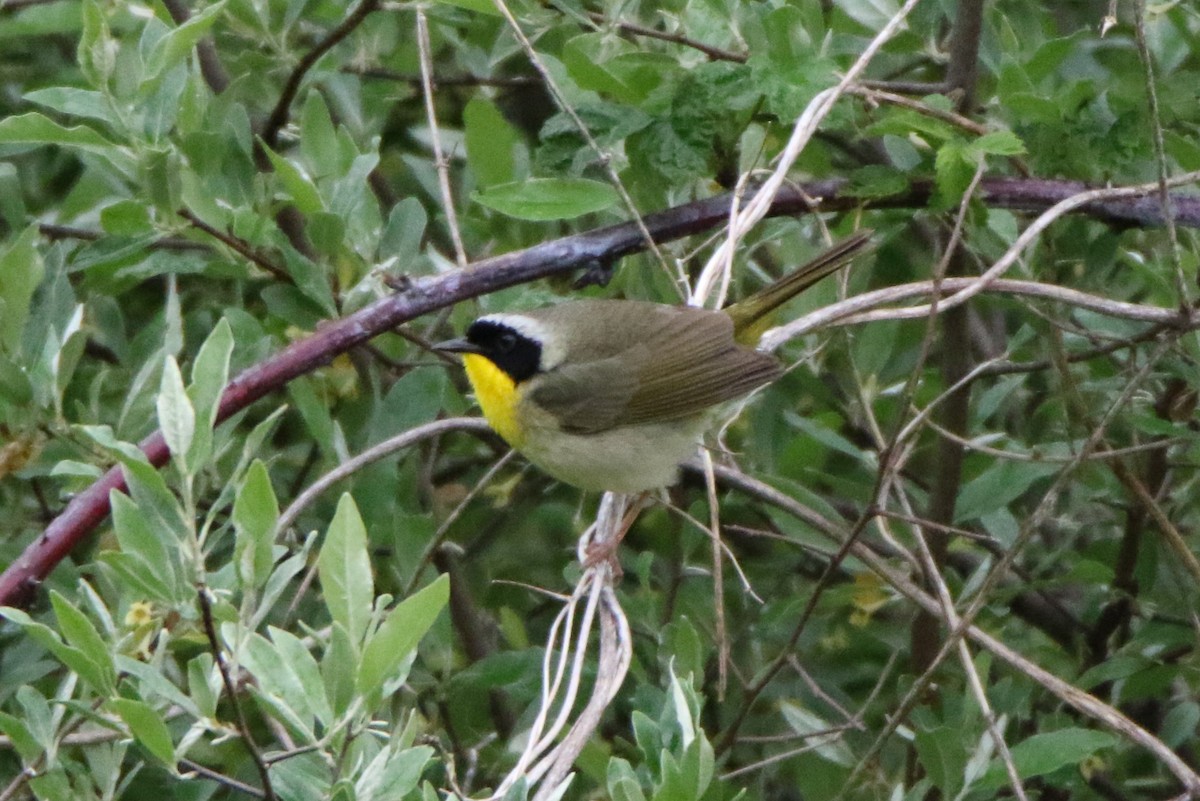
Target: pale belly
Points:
x,y
629,459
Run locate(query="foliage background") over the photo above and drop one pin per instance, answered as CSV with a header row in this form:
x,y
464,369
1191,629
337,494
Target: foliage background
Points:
x,y
179,200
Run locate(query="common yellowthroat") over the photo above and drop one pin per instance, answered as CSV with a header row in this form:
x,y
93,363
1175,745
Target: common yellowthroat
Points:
x,y
615,394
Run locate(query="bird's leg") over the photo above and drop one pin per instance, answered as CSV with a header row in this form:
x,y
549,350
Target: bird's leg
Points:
x,y
602,550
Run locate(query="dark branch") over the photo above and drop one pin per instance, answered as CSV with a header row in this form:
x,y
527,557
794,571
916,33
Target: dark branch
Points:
x,y
279,115
963,70
56,232
380,73
239,246
713,53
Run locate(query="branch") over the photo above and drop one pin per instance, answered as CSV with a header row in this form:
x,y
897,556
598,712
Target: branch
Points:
x,y
963,69
556,257
713,53
279,115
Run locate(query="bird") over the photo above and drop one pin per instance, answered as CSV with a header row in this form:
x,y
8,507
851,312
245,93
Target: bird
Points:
x,y
613,395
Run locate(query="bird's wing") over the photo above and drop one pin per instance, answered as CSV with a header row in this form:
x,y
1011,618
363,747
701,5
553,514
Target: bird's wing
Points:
x,y
686,363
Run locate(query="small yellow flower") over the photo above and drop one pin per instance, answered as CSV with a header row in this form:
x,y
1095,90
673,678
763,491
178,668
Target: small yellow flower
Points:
x,y
140,613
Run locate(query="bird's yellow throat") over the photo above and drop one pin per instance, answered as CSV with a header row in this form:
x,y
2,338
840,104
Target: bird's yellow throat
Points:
x,y
497,395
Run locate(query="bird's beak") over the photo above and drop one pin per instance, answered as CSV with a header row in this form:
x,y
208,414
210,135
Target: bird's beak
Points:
x,y
457,346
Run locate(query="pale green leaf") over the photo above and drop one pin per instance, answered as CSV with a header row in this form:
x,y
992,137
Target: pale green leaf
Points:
x,y
345,570
255,511
147,727
175,415
398,636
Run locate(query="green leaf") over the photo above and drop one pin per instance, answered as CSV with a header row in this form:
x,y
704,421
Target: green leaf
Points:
x,y
647,735
490,143
318,137
202,692
999,143
79,632
178,44
830,747
21,271
88,669
345,570
254,514
587,58
306,671
404,231
998,486
34,128
487,7
12,204
1179,724
278,683
542,199
905,123
943,754
22,739
126,218
299,186
697,766
877,181
175,415
73,101
327,232
392,774
338,664
145,560
1047,752
148,727
954,167
397,637
303,777
148,488
622,782
871,14
210,373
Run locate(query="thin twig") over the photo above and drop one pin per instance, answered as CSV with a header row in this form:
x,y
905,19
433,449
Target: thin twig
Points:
x,y
862,308
713,53
1160,155
383,74
718,576
56,232
239,246
475,425
214,643
1026,238
443,529
278,117
221,778
441,163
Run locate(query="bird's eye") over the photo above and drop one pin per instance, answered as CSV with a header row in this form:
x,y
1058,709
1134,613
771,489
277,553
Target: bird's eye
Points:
x,y
506,342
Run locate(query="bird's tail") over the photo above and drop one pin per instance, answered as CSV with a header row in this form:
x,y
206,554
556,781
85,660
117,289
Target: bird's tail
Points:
x,y
749,311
